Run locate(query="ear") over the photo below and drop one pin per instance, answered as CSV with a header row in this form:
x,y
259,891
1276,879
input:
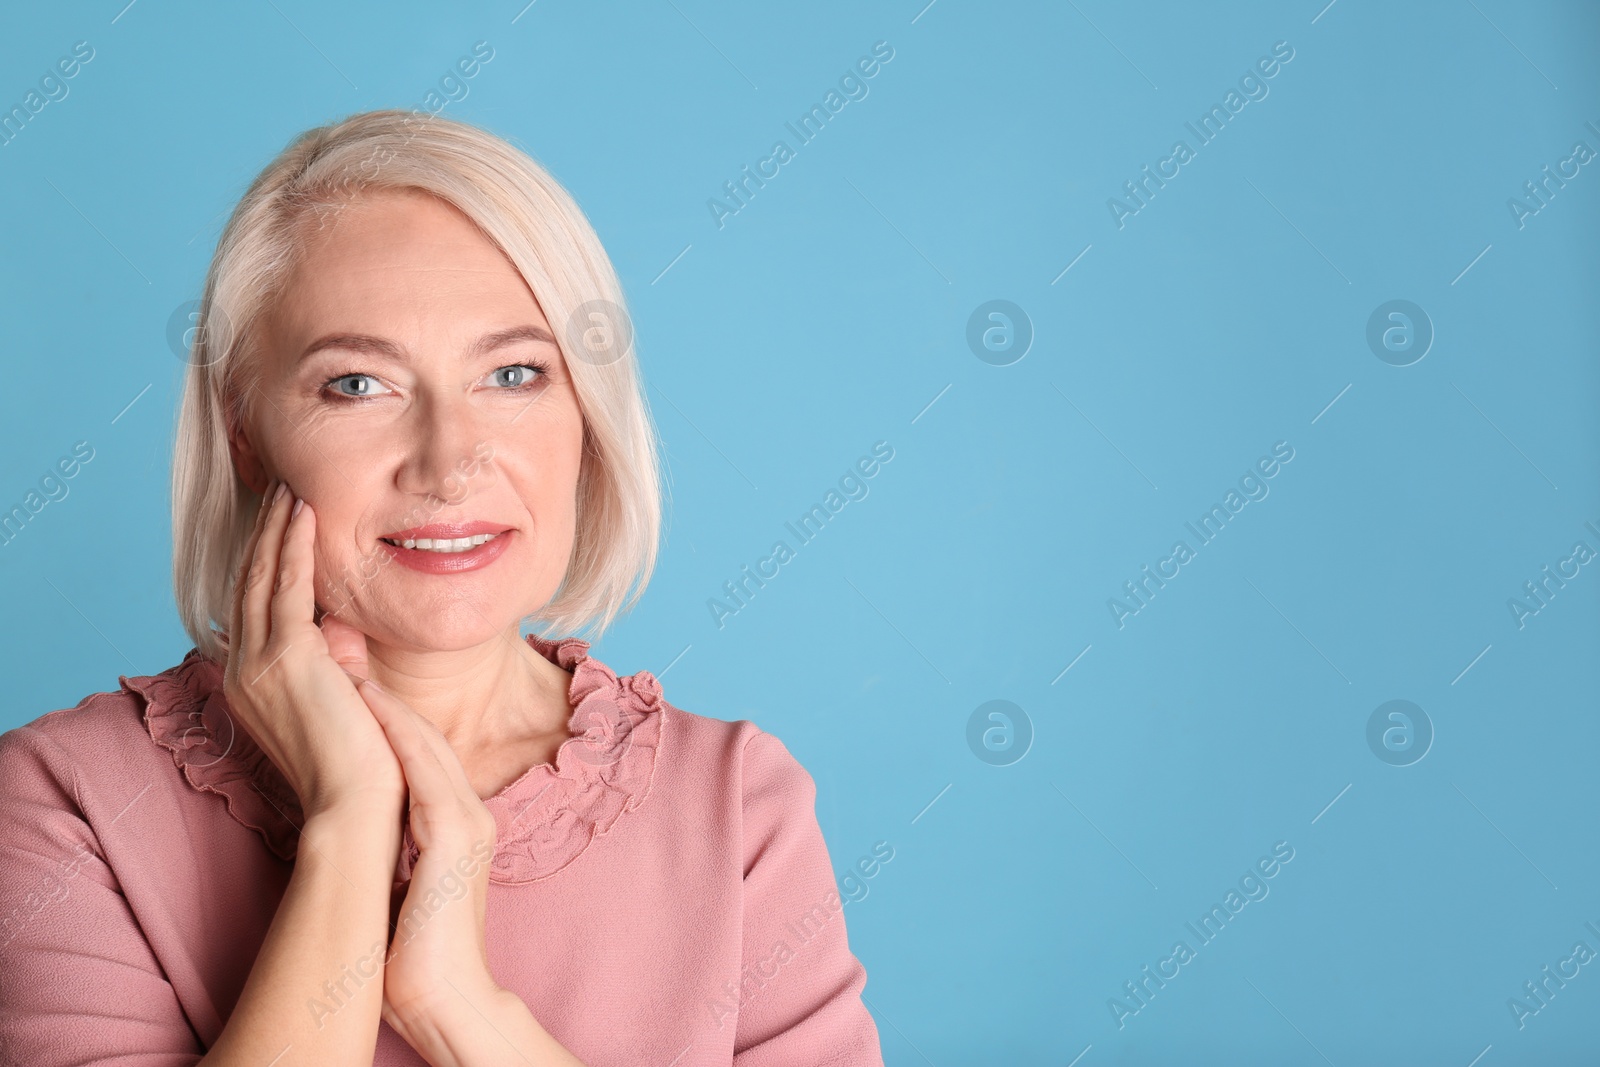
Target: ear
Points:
x,y
246,460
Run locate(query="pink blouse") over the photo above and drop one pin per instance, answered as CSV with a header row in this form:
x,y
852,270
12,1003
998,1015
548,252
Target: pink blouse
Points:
x,y
661,895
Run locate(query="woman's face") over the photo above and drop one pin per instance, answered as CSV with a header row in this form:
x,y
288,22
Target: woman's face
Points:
x,y
411,392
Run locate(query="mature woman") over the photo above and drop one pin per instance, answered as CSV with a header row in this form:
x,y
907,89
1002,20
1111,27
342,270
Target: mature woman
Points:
x,y
365,820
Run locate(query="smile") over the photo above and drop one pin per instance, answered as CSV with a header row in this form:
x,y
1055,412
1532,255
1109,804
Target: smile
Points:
x,y
448,547
441,544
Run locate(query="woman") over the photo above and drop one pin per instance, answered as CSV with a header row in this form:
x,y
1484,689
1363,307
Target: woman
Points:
x,y
364,820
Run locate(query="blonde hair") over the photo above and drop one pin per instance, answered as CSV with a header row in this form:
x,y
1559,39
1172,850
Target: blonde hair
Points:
x,y
539,227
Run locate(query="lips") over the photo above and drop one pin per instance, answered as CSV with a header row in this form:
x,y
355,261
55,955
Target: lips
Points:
x,y
448,547
447,531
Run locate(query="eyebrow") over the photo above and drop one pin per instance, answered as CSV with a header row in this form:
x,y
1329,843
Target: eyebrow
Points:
x,y
358,342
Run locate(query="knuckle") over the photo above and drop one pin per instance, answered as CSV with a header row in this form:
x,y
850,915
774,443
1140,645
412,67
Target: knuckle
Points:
x,y
277,650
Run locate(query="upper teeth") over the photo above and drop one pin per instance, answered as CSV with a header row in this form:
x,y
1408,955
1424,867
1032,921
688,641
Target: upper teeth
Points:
x,y
444,544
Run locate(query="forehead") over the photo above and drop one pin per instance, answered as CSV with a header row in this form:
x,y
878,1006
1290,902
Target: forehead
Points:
x,y
401,259
394,224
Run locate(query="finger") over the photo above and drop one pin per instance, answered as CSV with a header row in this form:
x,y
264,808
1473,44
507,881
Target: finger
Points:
x,y
236,624
242,566
347,645
262,575
236,617
293,599
425,774
442,797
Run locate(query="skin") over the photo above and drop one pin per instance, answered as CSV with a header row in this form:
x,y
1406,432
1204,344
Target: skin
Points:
x,y
369,443
410,269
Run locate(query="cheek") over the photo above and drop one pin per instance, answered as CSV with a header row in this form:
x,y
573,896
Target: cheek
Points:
x,y
542,461
341,561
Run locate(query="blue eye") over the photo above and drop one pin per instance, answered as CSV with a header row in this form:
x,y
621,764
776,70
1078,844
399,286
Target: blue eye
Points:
x,y
517,376
356,385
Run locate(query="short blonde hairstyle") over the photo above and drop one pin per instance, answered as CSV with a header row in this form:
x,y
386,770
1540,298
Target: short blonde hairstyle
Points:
x,y
541,230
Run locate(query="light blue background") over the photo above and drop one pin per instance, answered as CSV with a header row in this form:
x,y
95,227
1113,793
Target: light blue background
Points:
x,y
831,313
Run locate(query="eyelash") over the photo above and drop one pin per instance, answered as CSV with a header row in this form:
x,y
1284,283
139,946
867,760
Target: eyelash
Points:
x,y
338,397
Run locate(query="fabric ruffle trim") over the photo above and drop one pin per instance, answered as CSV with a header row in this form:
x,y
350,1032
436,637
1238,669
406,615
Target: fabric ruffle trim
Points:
x,y
544,820
187,714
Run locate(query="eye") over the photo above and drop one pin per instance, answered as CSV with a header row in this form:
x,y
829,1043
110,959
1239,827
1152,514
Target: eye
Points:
x,y
516,376
356,385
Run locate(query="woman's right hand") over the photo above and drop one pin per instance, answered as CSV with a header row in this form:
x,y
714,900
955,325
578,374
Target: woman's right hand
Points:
x,y
283,682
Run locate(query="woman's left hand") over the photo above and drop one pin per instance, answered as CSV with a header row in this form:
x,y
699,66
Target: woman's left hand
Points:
x,y
438,993
438,956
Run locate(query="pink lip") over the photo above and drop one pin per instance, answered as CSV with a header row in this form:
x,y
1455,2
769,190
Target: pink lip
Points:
x,y
450,562
451,530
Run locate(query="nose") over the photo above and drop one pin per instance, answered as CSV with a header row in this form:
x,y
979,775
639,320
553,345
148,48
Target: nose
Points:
x,y
443,437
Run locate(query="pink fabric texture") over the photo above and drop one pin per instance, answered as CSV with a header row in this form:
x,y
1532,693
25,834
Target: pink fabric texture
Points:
x,y
661,894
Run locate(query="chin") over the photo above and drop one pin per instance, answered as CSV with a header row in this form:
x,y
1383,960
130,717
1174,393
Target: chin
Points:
x,y
450,626
446,627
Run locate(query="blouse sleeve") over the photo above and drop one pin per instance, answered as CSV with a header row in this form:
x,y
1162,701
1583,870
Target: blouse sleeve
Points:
x,y
79,984
800,986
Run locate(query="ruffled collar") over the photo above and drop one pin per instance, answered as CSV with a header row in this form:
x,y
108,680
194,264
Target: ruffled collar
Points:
x,y
544,820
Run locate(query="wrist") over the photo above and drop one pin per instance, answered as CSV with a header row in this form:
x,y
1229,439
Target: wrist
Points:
x,y
485,1024
452,1029
362,809
355,830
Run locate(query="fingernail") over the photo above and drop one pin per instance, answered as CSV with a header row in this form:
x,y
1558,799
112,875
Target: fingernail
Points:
x,y
374,685
276,496
298,504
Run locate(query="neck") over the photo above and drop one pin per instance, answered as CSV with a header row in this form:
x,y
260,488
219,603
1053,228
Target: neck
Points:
x,y
482,697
